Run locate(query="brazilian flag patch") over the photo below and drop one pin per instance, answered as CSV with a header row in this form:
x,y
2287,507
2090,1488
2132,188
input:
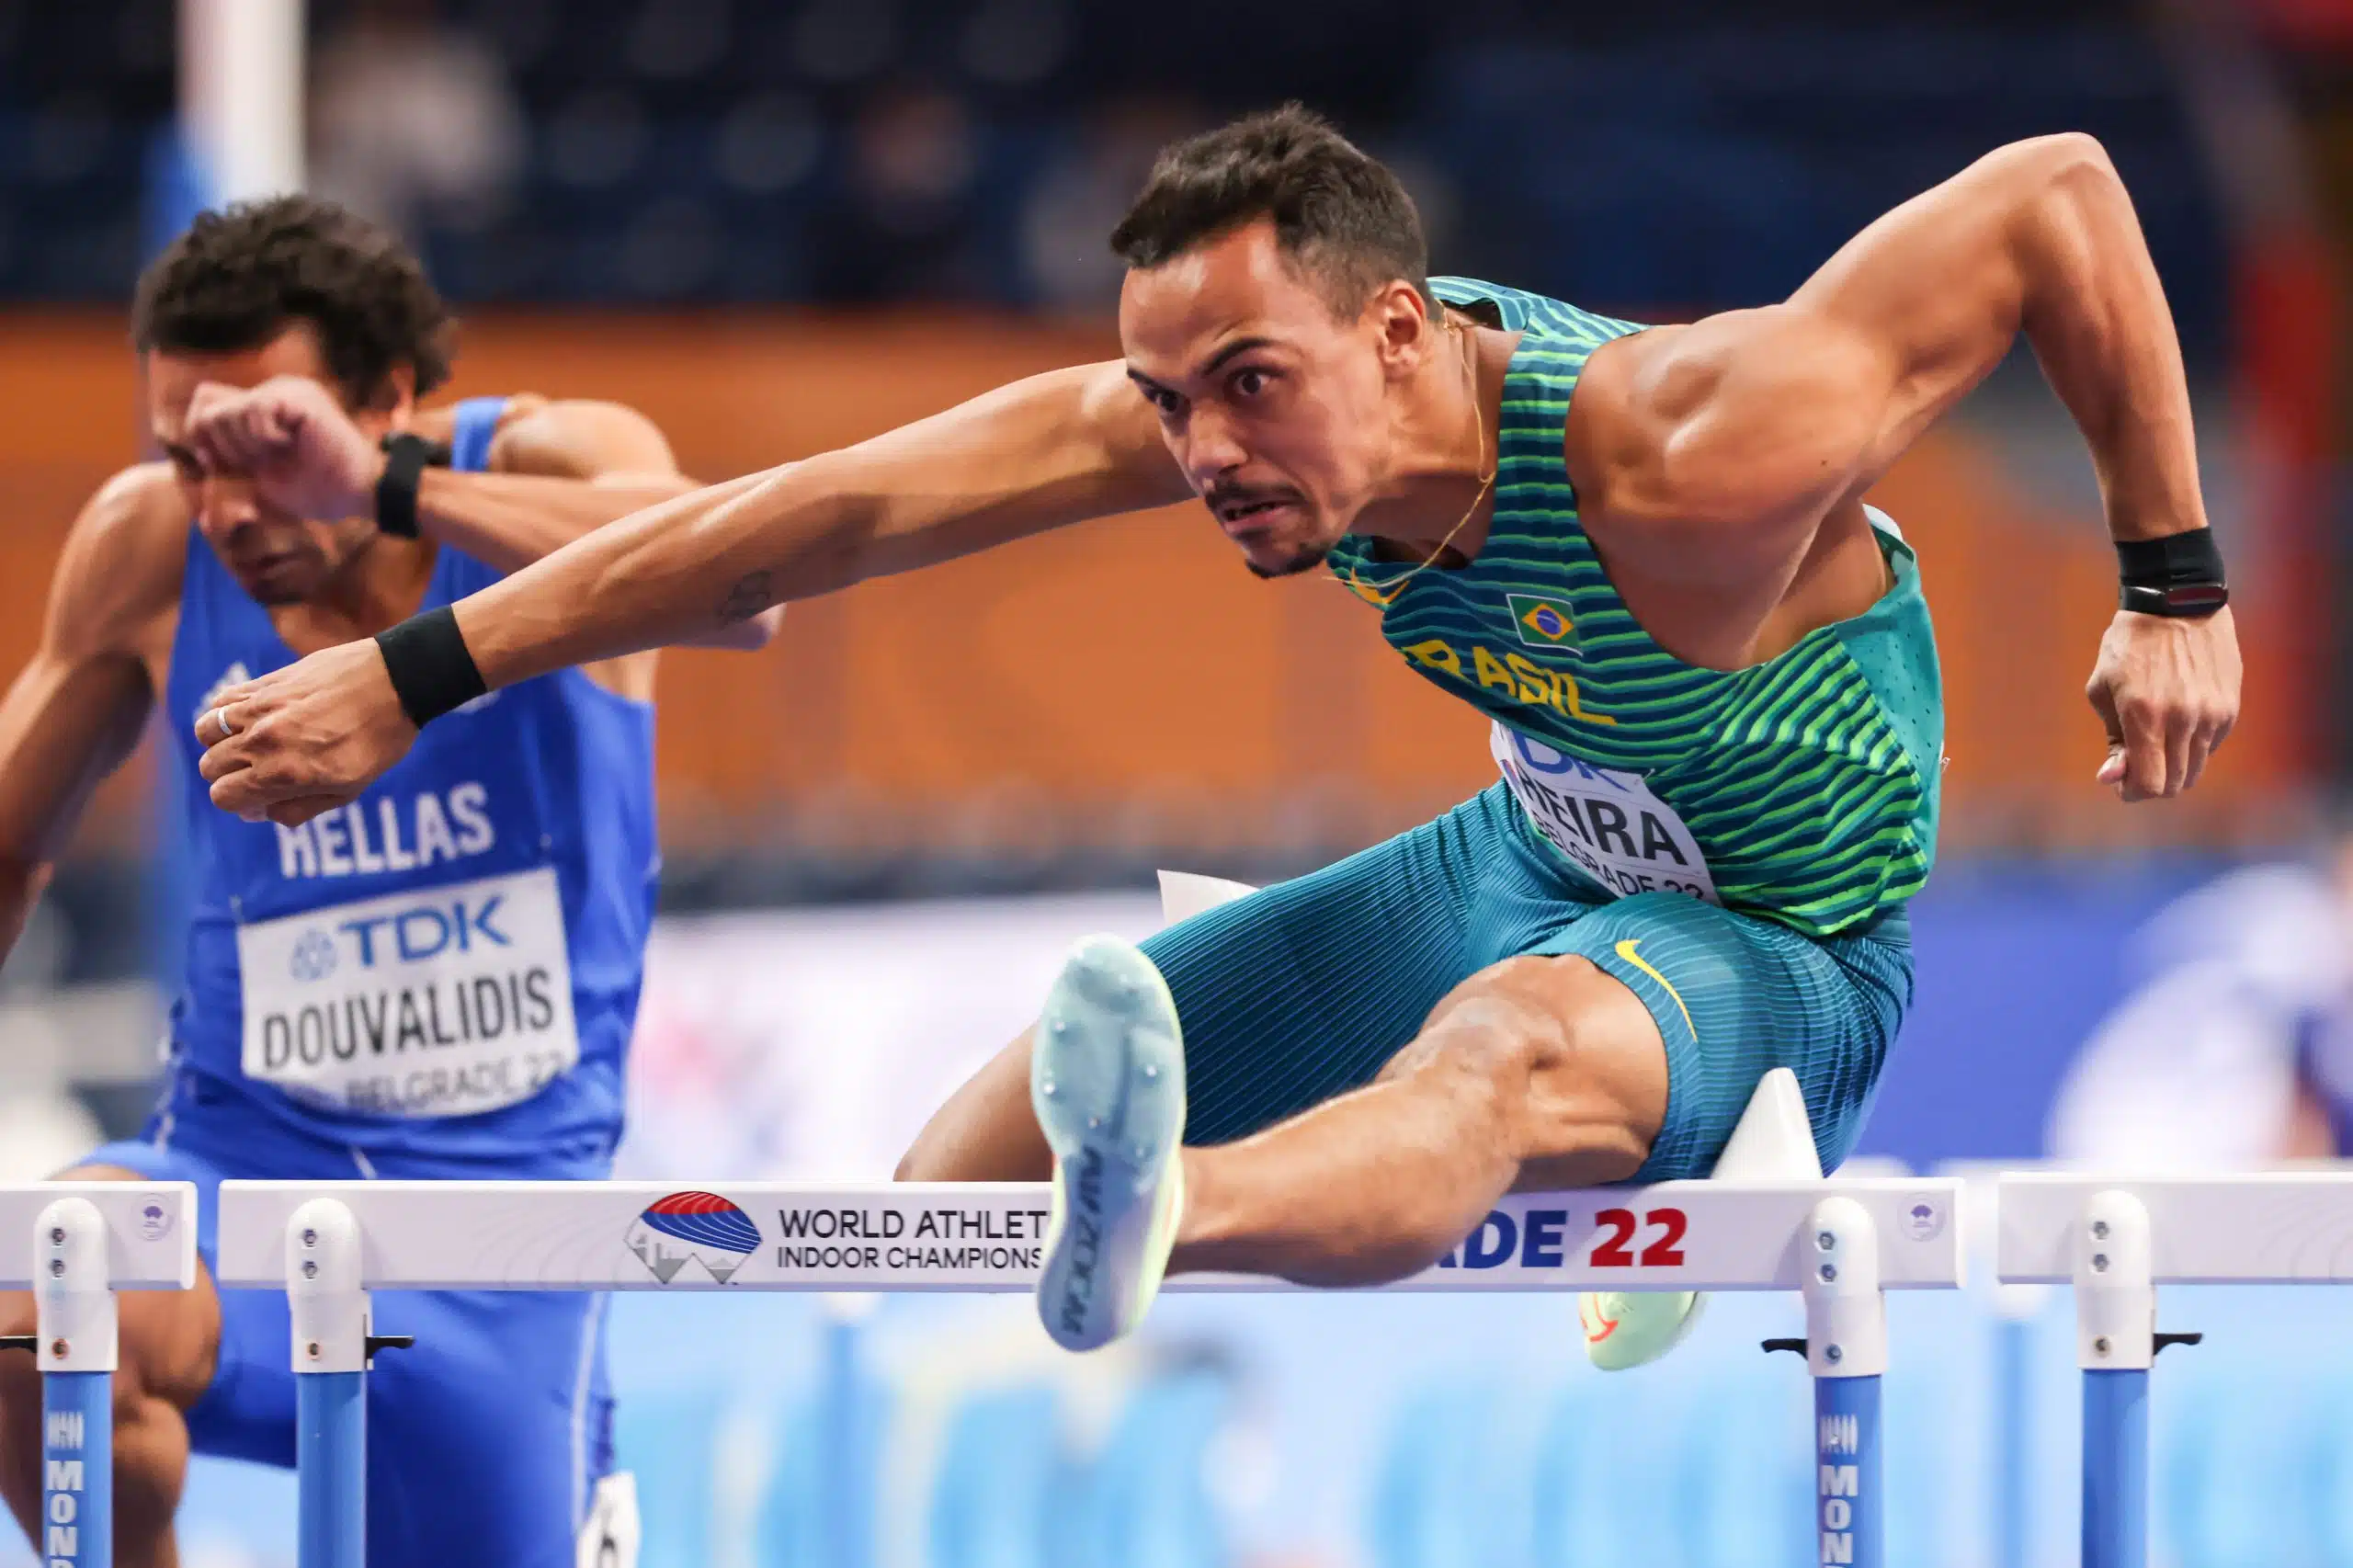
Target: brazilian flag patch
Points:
x,y
1543,623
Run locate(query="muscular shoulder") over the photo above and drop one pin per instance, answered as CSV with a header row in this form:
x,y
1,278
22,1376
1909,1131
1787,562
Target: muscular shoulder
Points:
x,y
578,438
1739,418
123,560
564,438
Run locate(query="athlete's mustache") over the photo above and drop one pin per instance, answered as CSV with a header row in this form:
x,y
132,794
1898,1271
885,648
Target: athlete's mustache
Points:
x,y
1228,502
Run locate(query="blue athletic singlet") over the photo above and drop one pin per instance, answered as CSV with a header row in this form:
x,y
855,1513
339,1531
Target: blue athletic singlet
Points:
x,y
449,965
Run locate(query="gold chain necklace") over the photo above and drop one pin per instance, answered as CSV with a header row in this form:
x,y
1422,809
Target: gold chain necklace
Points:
x,y
1385,594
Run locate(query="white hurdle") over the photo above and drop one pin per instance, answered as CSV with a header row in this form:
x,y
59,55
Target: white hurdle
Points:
x,y
2115,1239
87,1240
1839,1244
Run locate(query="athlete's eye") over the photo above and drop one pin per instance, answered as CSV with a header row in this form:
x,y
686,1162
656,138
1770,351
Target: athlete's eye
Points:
x,y
1167,403
1251,381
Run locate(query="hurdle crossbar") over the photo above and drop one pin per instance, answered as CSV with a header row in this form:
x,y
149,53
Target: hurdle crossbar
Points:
x,y
1838,1243
989,1236
145,1232
2268,1228
2115,1239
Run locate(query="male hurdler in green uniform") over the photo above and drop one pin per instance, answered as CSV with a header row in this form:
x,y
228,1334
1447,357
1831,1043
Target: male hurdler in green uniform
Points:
x,y
1645,552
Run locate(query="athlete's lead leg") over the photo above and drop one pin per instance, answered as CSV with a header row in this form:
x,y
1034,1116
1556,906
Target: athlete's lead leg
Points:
x,y
1537,1071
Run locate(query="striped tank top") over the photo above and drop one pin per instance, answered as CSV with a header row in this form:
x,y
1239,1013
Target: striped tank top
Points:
x,y
1803,790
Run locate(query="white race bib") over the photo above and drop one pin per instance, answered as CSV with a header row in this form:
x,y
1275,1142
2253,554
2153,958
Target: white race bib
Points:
x,y
1608,822
443,1002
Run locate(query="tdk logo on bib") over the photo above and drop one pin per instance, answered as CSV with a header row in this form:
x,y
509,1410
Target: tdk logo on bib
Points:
x,y
405,937
438,1002
428,931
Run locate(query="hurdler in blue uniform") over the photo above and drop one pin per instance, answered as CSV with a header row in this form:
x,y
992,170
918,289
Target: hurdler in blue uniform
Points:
x,y
435,980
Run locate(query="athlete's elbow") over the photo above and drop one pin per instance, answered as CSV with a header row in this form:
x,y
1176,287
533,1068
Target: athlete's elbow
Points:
x,y
2062,190
2062,160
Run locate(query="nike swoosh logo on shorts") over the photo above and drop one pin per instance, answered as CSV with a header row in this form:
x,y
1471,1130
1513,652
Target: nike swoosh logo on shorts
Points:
x,y
1626,950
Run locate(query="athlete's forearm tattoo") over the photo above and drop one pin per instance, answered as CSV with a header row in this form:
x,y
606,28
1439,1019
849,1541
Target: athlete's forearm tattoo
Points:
x,y
749,597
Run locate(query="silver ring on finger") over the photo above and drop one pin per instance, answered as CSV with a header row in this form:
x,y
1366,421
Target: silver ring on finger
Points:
x,y
221,717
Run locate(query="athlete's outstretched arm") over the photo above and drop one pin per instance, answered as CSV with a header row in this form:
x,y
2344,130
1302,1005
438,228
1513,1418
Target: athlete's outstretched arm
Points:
x,y
1041,453
1761,421
75,710
1036,455
559,470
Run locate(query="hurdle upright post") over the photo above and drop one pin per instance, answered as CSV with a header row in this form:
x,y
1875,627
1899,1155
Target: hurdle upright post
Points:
x,y
2116,1344
1845,1352
328,1305
2115,1240
87,1240
78,1350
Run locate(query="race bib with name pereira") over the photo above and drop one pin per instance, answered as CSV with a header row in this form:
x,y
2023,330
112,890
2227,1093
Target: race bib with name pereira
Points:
x,y
447,1001
1608,822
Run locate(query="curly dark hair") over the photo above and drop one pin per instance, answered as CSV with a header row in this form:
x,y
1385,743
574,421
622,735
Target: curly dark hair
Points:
x,y
1337,212
242,274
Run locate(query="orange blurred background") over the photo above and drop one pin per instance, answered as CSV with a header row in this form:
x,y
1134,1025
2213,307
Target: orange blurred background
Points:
x,y
1128,684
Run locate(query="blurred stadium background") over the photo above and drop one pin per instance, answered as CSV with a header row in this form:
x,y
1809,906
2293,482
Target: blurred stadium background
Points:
x,y
778,225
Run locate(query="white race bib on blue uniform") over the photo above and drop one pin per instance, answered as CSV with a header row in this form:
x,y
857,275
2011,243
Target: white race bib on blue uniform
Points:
x,y
447,1001
1609,823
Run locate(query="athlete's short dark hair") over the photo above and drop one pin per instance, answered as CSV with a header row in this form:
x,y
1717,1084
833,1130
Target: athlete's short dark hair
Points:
x,y
1338,212
244,273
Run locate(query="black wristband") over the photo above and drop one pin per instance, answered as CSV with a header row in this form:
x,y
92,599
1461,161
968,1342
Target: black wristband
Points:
x,y
432,672
406,457
2179,575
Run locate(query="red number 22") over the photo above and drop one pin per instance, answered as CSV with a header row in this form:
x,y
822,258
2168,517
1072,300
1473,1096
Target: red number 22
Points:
x,y
1665,1251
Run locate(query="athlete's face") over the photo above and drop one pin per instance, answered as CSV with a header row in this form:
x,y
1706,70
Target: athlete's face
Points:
x,y
1276,408
277,557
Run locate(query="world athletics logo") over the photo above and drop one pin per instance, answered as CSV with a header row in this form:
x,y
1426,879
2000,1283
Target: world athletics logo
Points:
x,y
693,1227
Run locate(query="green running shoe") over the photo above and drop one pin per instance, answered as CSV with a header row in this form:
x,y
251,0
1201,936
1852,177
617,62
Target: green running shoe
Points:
x,y
1107,1077
1632,1328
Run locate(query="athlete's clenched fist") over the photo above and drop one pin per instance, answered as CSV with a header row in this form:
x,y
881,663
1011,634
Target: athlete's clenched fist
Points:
x,y
291,438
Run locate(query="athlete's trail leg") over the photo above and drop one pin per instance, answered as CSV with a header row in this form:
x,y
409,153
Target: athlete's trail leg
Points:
x,y
1537,1072
169,1341
986,1131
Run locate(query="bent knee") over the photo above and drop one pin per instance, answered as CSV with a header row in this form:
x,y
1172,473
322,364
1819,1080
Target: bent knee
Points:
x,y
1534,1014
1572,1058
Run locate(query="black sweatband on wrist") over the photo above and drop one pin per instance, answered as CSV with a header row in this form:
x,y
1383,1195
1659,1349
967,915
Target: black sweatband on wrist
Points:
x,y
2180,575
406,457
432,672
